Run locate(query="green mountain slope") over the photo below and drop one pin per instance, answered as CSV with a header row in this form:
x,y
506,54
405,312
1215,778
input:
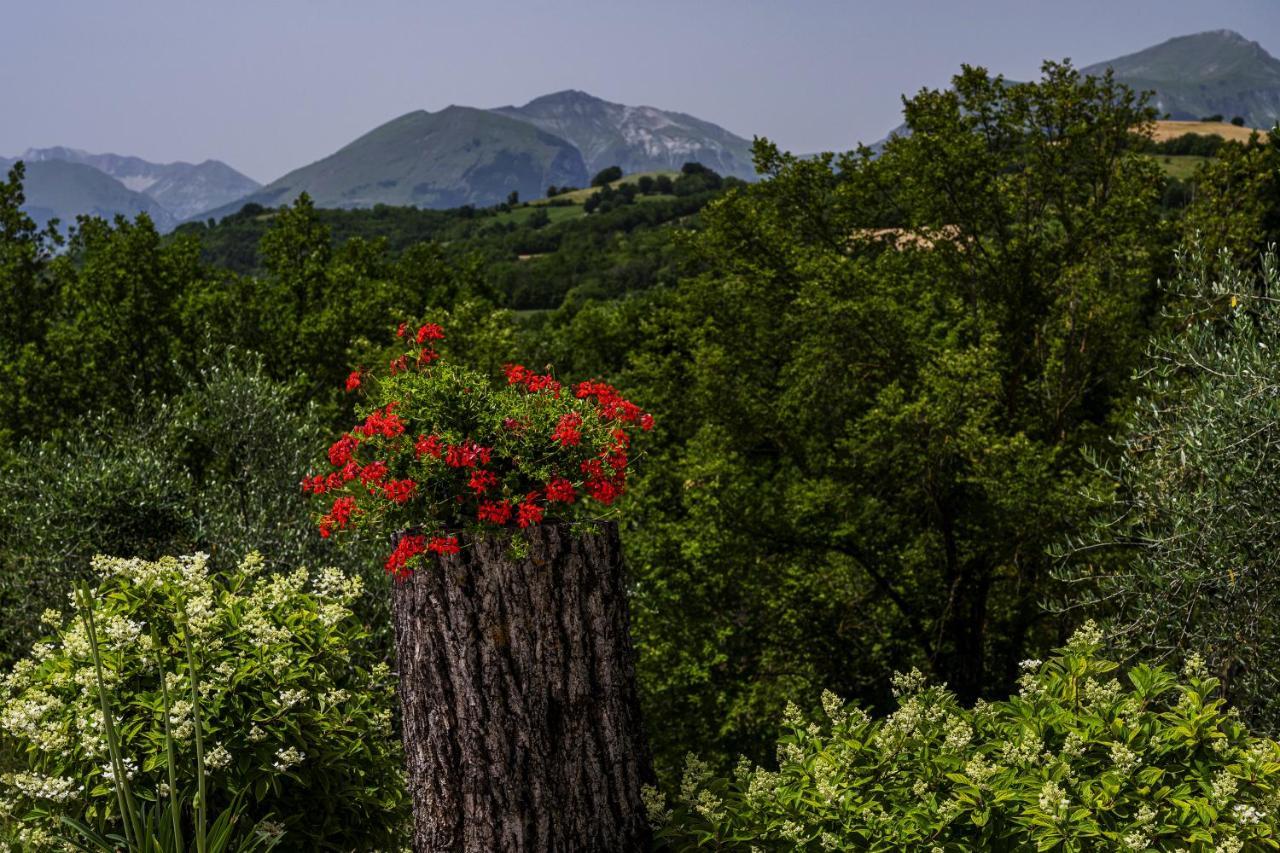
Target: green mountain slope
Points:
x,y
185,190
449,158
1218,72
62,190
639,139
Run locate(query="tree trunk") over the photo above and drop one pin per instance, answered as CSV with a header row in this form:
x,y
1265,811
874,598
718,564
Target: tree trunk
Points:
x,y
517,681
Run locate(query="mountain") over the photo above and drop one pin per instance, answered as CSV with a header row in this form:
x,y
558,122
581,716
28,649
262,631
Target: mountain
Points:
x,y
62,189
457,156
639,139
185,190
1212,73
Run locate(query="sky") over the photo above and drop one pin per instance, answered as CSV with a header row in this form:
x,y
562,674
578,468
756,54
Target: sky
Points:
x,y
271,85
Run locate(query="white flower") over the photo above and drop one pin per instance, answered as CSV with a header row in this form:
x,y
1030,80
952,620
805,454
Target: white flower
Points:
x,y
286,758
218,757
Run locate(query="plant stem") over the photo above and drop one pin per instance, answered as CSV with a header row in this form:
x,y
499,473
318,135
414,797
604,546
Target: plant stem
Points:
x,y
202,808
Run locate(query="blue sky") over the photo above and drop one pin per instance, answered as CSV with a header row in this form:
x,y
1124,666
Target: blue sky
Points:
x,y
275,84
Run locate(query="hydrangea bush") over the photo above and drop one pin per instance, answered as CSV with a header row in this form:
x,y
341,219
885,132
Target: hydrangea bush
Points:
x,y
1079,760
442,448
294,718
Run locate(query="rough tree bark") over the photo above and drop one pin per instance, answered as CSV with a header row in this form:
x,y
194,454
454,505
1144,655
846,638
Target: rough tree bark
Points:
x,y
517,681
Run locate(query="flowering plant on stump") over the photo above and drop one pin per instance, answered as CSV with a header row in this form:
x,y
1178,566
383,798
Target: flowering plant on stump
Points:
x,y
439,449
520,715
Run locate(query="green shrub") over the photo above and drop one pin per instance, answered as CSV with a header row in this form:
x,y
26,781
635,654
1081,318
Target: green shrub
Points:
x,y
1075,761
213,469
295,718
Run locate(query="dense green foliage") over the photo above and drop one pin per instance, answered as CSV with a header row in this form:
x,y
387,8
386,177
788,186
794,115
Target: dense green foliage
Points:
x,y
873,377
294,713
1183,559
213,468
868,437
1079,759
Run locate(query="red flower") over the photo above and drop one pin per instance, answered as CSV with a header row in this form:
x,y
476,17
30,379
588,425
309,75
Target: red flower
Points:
x,y
518,374
529,512
341,451
646,422
353,381
566,431
430,332
343,508
443,545
399,491
406,549
426,356
373,473
386,423
467,455
325,528
481,481
498,512
316,485
400,330
429,445
560,490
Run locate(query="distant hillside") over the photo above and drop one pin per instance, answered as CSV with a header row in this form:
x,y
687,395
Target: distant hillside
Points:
x,y
61,189
183,189
449,158
1173,129
1213,73
639,139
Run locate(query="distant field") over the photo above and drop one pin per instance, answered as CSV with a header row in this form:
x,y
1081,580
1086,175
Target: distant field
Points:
x,y
1180,166
579,196
1173,129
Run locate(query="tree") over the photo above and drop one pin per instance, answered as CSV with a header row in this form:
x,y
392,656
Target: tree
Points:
x,y
26,296
513,198
1184,555
873,398
607,176
1238,121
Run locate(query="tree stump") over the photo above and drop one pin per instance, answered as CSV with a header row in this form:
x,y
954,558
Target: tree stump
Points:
x,y
517,682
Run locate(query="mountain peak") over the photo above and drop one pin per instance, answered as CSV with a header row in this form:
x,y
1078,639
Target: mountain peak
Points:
x,y
638,139
1218,72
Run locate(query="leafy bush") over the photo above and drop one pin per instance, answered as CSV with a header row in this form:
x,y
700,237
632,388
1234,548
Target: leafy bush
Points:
x,y
1075,761
295,719
441,448
214,469
1185,553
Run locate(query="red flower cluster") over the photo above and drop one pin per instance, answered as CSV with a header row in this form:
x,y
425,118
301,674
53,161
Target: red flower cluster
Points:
x,y
518,374
385,423
406,549
566,431
399,491
504,462
495,512
613,406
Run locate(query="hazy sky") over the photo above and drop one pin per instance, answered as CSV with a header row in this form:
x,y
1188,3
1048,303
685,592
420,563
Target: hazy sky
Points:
x,y
271,85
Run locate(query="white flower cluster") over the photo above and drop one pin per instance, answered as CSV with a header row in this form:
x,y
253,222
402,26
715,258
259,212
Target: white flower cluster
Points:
x,y
1086,638
290,698
1223,788
57,789
289,757
217,758
1124,760
1054,800
907,683
129,765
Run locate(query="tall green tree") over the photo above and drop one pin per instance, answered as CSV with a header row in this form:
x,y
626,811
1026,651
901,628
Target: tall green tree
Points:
x,y
872,401
25,296
1184,555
